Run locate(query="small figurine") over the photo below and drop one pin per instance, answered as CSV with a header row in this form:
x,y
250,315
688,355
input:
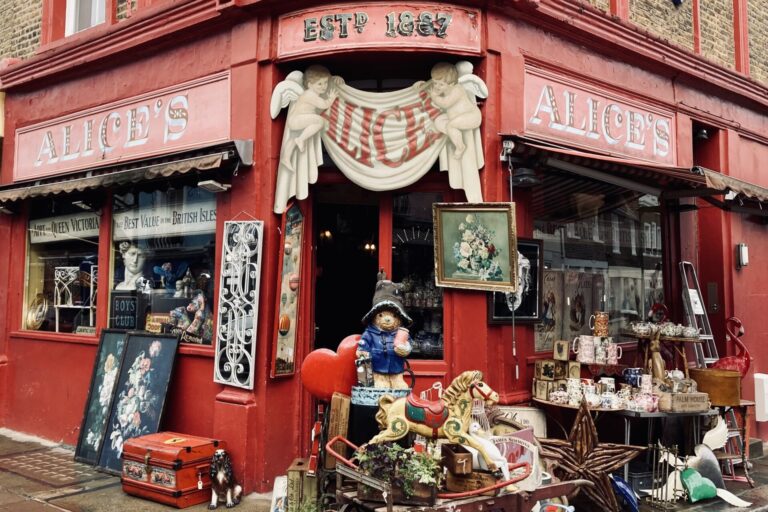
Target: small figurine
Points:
x,y
385,341
200,325
179,293
224,486
656,363
168,276
189,282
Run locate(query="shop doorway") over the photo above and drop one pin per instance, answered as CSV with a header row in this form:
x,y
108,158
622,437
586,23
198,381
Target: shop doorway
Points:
x,y
346,227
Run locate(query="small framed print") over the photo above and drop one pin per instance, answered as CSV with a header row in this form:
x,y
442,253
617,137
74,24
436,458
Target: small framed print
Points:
x,y
541,389
561,367
523,306
545,369
574,370
561,350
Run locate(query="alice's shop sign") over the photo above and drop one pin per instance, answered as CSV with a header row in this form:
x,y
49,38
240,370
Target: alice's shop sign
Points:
x,y
566,110
186,116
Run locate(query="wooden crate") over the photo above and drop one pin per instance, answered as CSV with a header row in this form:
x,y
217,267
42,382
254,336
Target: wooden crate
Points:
x,y
683,402
456,458
473,481
422,494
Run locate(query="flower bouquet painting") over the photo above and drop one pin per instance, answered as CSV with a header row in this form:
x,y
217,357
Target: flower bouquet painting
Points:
x,y
99,403
140,394
475,246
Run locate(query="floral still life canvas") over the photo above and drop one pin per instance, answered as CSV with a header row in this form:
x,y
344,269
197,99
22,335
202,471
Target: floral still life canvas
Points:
x,y
106,367
141,388
475,246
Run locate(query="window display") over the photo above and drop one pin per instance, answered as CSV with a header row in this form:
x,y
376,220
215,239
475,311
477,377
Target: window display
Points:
x,y
62,270
164,252
606,258
413,265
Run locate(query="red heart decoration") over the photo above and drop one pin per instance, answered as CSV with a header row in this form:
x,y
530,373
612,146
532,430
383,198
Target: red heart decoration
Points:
x,y
324,371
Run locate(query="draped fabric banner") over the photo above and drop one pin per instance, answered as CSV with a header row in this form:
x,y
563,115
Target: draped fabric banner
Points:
x,y
380,141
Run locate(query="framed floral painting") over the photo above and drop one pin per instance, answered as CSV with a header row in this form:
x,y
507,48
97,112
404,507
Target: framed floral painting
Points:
x,y
109,357
524,305
140,390
475,246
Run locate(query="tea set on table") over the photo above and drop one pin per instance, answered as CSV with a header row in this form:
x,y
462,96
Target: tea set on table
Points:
x,y
638,392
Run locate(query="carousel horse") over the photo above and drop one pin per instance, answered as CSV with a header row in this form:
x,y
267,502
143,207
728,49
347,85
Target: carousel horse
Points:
x,y
449,417
741,361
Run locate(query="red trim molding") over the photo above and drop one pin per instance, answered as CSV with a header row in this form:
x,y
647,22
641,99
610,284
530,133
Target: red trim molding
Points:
x,y
741,35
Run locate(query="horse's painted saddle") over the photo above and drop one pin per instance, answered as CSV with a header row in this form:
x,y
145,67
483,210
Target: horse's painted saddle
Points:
x,y
431,413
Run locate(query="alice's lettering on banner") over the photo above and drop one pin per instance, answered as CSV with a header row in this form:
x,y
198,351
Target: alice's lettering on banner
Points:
x,y
380,141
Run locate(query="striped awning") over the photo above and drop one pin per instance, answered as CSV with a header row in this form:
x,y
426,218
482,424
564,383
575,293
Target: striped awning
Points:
x,y
231,154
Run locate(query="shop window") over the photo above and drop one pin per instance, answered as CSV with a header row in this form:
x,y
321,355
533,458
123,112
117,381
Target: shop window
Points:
x,y
62,270
413,264
618,271
83,14
163,244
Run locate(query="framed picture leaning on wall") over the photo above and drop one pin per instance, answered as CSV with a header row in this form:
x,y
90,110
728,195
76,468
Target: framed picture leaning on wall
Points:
x,y
475,246
526,302
109,358
139,393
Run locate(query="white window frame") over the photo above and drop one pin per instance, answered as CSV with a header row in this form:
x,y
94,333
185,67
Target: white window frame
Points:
x,y
98,12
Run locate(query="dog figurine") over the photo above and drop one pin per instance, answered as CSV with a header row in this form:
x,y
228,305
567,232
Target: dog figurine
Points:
x,y
224,487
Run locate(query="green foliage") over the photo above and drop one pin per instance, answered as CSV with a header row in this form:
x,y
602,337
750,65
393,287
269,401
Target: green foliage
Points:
x,y
400,466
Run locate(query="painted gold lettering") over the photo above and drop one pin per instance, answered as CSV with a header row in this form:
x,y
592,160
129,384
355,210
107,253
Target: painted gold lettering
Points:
x,y
47,148
593,106
138,126
67,153
607,122
87,138
635,130
570,127
104,145
661,138
547,104
176,117
343,20
326,27
310,29
361,19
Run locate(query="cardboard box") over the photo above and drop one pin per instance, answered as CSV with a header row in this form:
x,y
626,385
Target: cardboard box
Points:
x,y
456,458
545,369
338,425
683,402
296,472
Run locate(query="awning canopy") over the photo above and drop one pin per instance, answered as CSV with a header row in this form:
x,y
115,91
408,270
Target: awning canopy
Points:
x,y
663,181
231,154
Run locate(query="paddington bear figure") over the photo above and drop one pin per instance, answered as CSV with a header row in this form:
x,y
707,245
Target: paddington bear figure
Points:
x,y
386,340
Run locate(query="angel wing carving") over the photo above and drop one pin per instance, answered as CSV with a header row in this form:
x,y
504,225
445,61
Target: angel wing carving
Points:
x,y
286,92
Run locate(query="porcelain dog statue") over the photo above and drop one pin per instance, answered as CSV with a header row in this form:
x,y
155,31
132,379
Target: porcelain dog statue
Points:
x,y
224,486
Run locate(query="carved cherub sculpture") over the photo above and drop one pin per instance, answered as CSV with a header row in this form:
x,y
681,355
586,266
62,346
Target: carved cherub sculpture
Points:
x,y
307,95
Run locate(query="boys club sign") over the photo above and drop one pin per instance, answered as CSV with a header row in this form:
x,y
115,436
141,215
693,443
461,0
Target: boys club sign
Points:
x,y
380,141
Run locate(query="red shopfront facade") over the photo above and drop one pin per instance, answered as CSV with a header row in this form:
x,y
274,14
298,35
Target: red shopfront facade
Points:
x,y
603,136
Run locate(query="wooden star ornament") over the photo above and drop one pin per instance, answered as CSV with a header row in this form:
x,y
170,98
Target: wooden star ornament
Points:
x,y
583,456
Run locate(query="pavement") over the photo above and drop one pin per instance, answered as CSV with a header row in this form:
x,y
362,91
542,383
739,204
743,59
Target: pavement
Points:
x,y
40,476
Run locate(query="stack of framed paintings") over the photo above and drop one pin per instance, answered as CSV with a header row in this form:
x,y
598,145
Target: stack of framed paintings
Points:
x,y
126,399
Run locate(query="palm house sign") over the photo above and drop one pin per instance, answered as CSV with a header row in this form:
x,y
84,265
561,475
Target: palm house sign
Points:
x,y
380,141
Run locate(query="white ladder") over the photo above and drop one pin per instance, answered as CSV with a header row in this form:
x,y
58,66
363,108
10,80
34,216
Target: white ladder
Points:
x,y
706,351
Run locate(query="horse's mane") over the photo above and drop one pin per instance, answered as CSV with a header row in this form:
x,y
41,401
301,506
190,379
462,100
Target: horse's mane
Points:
x,y
460,385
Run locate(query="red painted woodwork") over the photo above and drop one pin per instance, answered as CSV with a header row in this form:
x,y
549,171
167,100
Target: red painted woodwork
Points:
x,y
44,376
325,372
741,35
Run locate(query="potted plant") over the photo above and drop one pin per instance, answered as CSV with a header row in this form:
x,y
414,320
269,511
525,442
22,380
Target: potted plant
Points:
x,y
414,477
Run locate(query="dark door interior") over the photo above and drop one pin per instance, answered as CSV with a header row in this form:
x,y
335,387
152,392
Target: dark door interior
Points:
x,y
346,236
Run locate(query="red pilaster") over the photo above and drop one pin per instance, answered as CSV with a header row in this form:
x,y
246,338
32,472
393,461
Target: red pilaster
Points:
x,y
696,26
741,35
620,8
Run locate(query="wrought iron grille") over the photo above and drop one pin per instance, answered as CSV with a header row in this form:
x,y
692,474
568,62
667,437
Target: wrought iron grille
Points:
x,y
238,303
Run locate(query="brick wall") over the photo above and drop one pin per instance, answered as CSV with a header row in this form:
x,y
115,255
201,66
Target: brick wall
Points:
x,y
662,18
716,20
19,27
758,40
603,5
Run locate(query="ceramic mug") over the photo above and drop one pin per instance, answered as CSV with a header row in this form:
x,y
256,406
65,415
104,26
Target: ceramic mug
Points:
x,y
601,355
599,323
609,384
690,332
584,348
608,400
646,383
632,376
614,353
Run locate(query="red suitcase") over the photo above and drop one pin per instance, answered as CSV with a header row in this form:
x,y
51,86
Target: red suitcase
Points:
x,y
169,468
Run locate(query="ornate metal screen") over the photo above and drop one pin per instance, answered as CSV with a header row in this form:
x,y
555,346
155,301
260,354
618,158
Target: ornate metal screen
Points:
x,y
238,303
